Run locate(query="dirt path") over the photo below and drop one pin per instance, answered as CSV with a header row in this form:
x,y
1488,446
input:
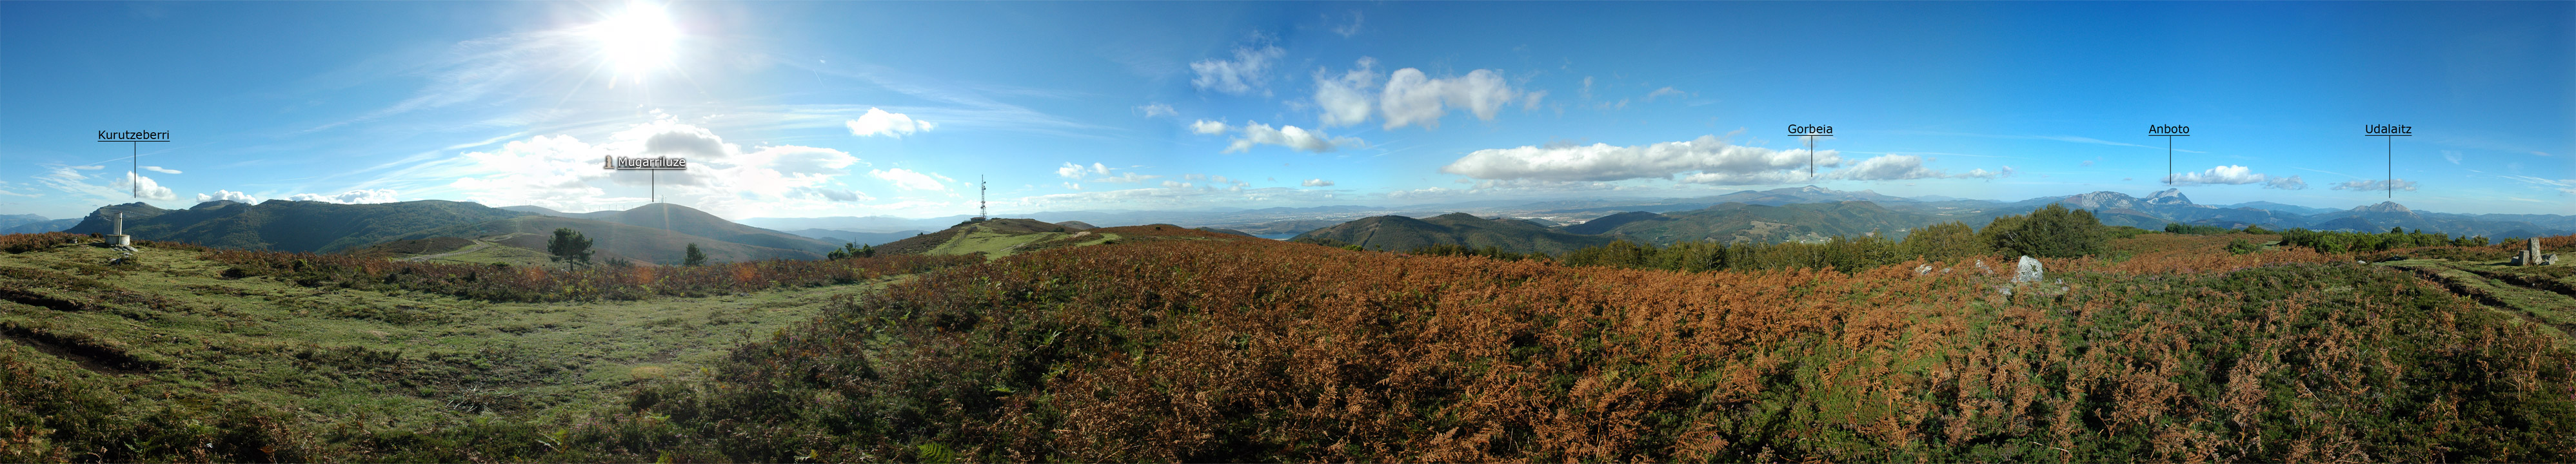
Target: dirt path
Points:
x,y
477,246
2542,307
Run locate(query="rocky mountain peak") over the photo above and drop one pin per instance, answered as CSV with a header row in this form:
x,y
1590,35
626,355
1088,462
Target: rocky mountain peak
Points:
x,y
2383,207
2168,197
2101,200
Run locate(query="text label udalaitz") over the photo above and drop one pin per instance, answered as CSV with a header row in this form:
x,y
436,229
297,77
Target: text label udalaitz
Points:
x,y
2387,129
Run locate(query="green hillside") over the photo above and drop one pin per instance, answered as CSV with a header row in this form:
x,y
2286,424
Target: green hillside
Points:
x,y
1743,223
1399,233
645,244
690,221
288,225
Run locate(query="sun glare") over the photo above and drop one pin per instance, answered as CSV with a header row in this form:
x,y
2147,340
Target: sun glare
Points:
x,y
638,41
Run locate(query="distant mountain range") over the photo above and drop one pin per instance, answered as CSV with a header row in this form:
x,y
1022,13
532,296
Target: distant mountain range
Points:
x,y
33,224
1399,233
656,232
1816,214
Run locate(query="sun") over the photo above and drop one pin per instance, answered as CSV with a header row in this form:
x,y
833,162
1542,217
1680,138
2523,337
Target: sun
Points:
x,y
636,42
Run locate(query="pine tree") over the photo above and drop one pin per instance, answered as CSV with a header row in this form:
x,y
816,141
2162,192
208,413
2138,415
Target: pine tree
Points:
x,y
695,257
569,247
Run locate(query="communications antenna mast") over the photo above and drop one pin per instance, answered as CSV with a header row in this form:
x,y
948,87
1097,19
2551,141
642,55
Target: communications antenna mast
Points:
x,y
981,213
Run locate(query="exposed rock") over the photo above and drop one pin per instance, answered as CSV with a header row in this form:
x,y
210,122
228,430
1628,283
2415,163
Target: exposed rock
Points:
x,y
2027,271
1923,269
2531,256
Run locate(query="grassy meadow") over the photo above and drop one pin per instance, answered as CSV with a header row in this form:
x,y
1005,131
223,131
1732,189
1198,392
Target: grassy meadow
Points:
x,y
1152,344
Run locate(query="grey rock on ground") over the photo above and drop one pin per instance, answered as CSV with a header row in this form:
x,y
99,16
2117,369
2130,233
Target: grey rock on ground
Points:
x,y
2027,271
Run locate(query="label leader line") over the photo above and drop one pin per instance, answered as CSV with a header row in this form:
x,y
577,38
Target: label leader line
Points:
x,y
2169,132
2389,130
134,152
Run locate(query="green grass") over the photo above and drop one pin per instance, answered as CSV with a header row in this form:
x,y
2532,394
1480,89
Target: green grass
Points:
x,y
495,253
997,244
2554,312
174,335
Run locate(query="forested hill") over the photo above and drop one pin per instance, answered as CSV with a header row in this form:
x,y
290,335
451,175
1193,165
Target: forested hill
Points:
x,y
1401,233
288,225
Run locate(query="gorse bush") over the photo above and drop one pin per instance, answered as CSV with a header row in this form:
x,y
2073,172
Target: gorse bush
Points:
x,y
1212,351
2348,242
22,243
2181,228
2050,232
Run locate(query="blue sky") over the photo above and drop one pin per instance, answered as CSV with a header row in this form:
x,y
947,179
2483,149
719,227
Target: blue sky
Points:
x,y
801,109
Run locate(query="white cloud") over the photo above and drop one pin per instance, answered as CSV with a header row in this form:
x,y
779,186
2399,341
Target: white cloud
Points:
x,y
1412,97
1316,183
1344,100
2564,186
1715,160
2236,175
1074,186
1125,178
227,195
1206,127
148,189
879,122
89,168
1239,76
160,170
2452,156
1071,170
908,179
1256,133
352,197
1348,30
1662,92
563,173
1157,109
1903,167
1176,184
2370,185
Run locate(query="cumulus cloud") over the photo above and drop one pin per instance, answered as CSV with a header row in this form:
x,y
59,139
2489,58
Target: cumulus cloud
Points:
x,y
1070,170
1157,109
352,197
1412,97
1344,100
1256,133
1904,167
1206,127
144,187
2370,185
1316,183
879,122
1246,72
563,172
1125,178
226,195
908,179
160,170
2236,175
1714,159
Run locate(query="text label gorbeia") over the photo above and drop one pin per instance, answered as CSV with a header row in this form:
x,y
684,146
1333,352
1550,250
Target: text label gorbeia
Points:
x,y
658,162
